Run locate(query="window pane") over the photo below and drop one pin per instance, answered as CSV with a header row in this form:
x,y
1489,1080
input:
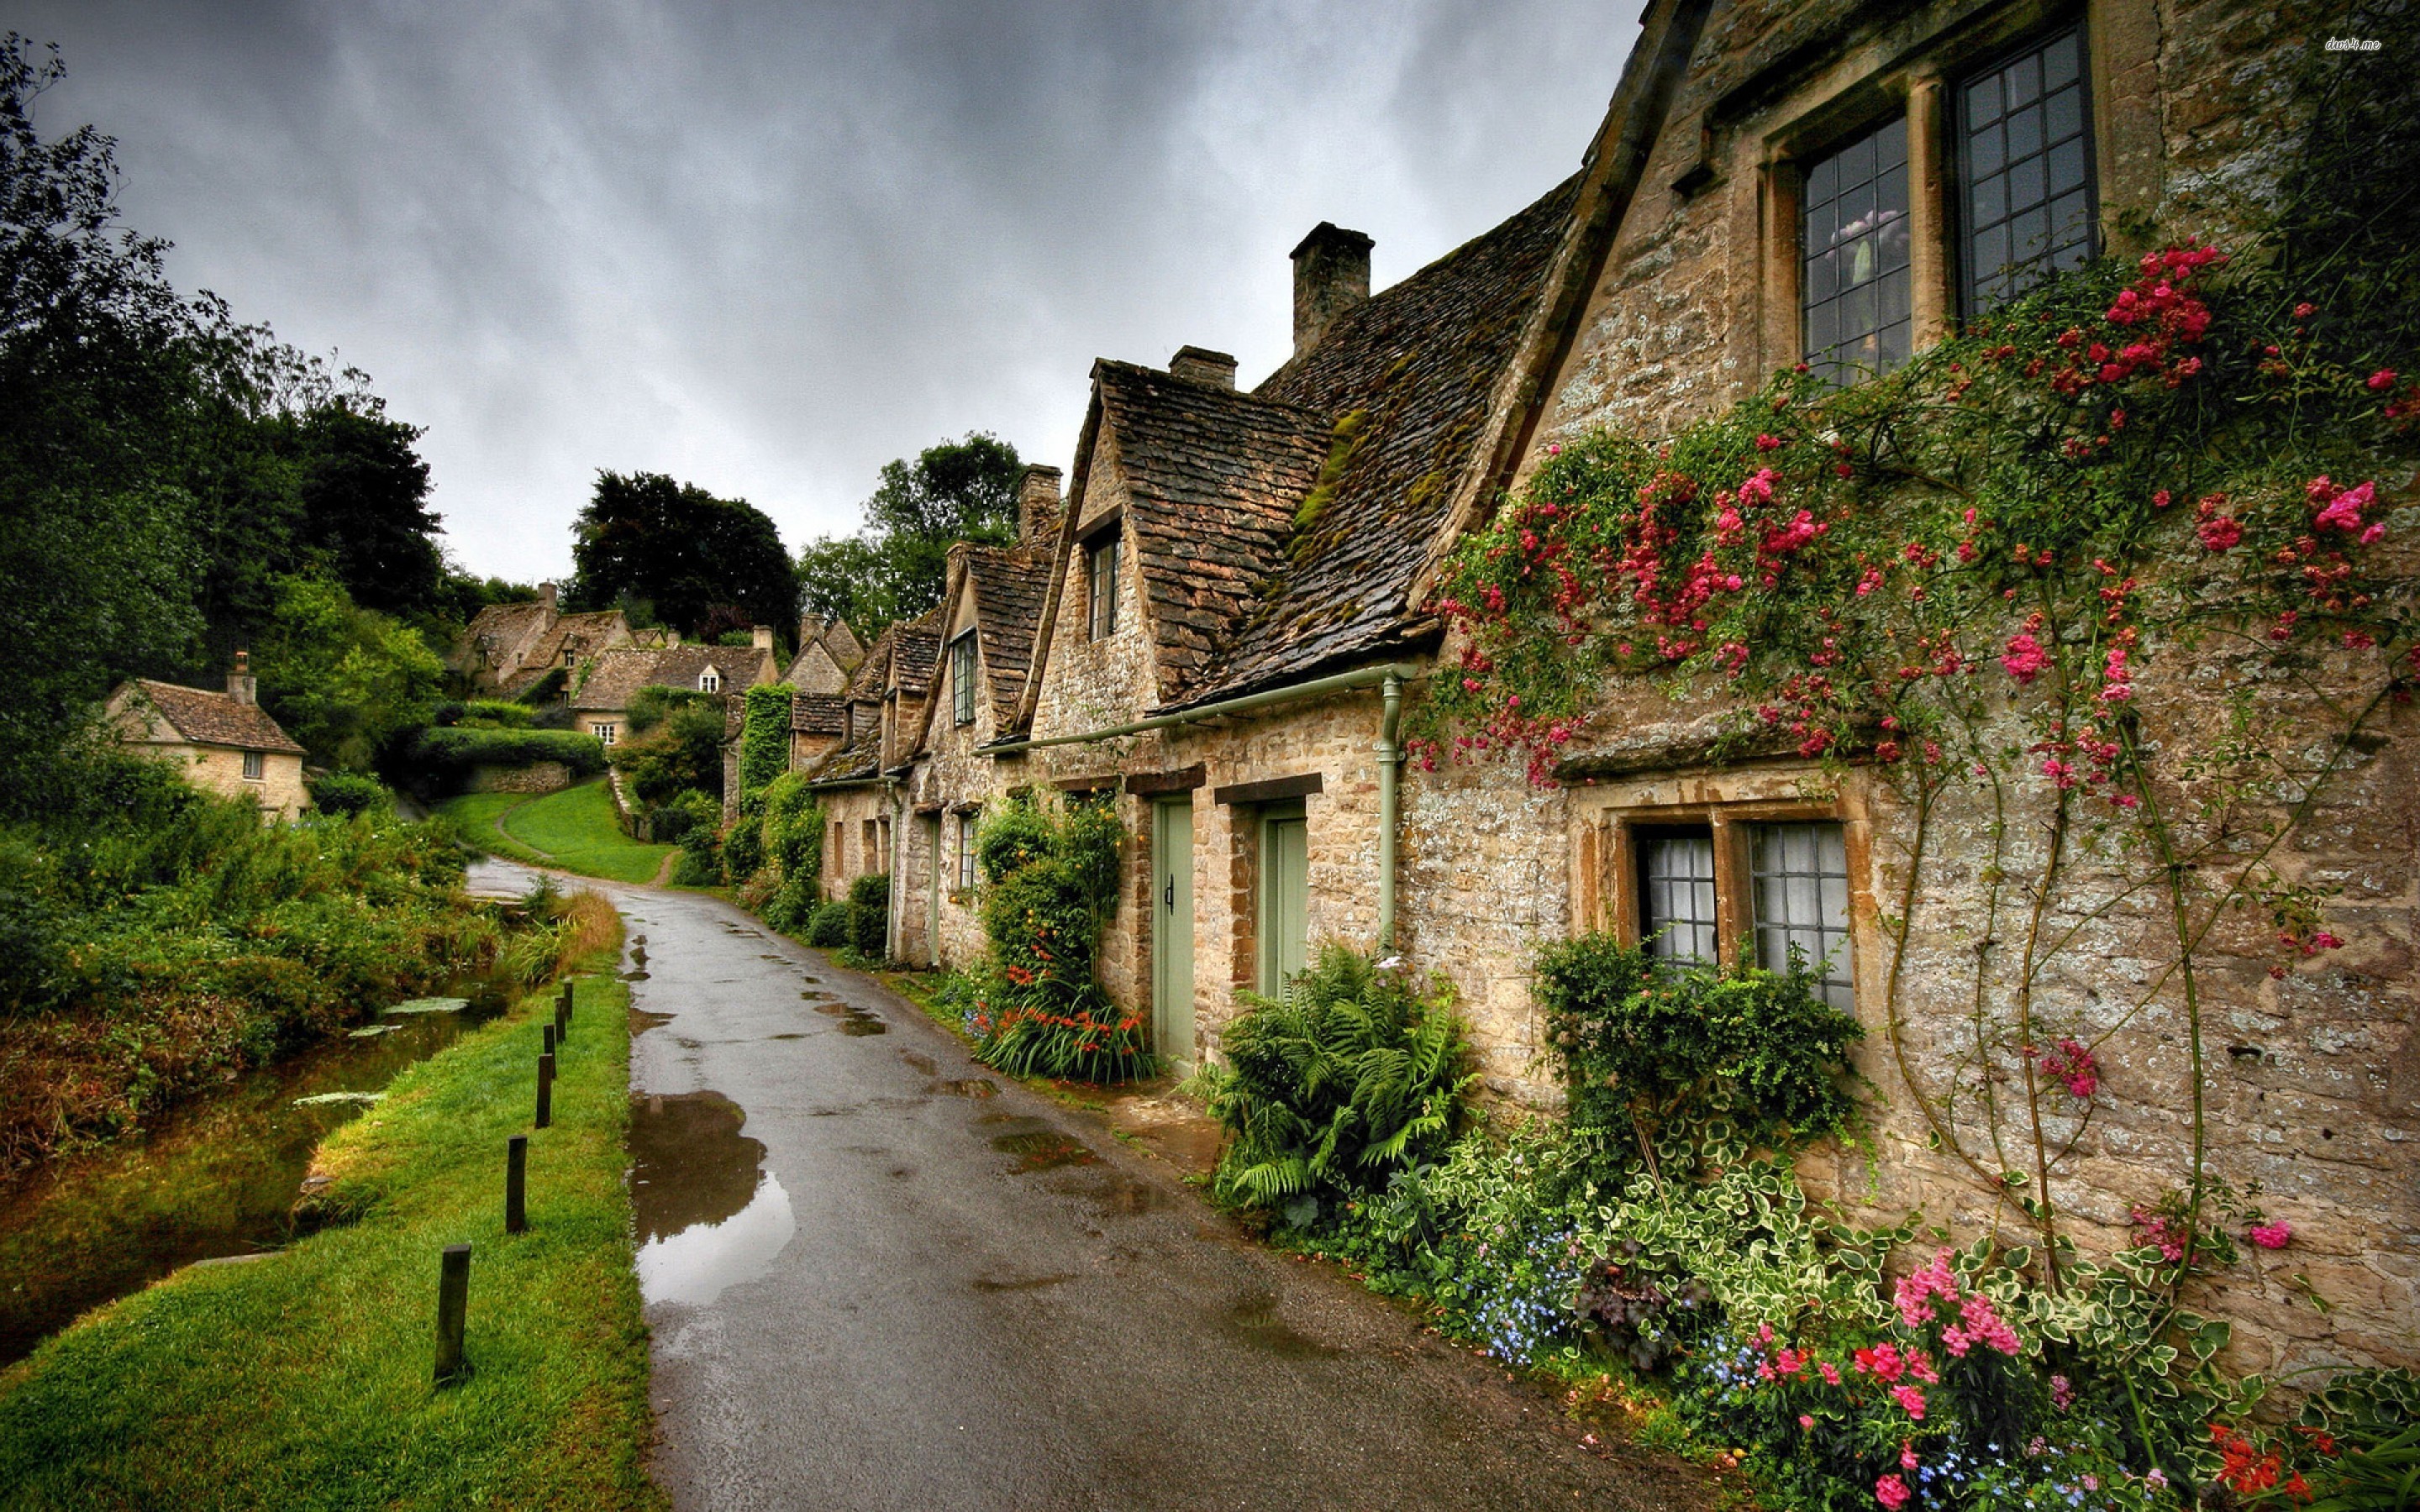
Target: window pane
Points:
x,y
1801,886
1680,897
2014,163
1856,239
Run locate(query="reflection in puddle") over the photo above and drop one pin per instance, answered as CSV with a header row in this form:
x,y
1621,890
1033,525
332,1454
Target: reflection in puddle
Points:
x,y
973,1087
917,1060
641,1021
1042,1149
1116,1195
812,996
855,1021
709,1216
1253,1320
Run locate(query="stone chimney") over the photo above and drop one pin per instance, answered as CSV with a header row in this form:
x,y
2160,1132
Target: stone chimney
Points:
x,y
1037,503
761,637
811,630
1331,275
242,686
1199,365
548,592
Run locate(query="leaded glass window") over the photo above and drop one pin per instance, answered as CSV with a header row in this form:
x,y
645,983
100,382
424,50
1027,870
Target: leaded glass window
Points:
x,y
1801,877
2026,168
962,679
1677,916
1855,293
1101,585
966,856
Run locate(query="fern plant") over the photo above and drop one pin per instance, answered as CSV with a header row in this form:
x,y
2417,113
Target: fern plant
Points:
x,y
1329,1090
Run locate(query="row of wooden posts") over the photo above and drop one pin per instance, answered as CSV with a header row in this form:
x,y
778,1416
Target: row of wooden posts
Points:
x,y
454,1268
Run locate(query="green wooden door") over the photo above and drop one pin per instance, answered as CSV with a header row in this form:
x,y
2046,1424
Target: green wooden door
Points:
x,y
1285,895
1172,933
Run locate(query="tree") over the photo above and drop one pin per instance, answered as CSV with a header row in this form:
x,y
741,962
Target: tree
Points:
x,y
364,493
897,566
645,536
343,681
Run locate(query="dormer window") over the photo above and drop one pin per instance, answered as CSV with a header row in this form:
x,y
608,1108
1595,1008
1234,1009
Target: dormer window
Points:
x,y
1101,584
710,681
962,679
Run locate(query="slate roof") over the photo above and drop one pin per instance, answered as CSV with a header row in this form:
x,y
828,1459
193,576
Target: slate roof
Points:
x,y
210,718
818,714
583,635
620,672
1418,363
1214,479
1009,584
901,657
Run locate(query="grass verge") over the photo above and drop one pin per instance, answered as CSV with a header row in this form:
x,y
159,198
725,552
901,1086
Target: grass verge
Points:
x,y
304,1381
573,829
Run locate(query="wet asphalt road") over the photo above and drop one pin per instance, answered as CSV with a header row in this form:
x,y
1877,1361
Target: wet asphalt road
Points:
x,y
873,1286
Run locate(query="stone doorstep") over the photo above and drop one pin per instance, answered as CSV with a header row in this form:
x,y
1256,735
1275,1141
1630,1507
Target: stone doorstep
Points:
x,y
1154,1117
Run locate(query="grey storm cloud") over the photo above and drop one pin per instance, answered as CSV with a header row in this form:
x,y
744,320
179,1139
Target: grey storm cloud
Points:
x,y
766,247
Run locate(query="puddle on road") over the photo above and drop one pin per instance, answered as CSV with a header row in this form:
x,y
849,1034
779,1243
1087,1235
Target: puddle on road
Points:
x,y
790,1037
973,1087
812,996
709,1215
1116,1195
854,1021
917,1060
1042,1149
641,1021
1253,1320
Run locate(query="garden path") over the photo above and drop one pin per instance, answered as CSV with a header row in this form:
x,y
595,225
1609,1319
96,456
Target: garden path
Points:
x,y
881,1276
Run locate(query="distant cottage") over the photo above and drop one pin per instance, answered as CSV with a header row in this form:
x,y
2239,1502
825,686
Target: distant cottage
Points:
x,y
604,685
222,743
508,649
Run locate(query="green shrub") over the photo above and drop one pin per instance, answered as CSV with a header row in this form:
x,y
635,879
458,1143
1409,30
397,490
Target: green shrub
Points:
x,y
794,842
680,752
491,714
1050,880
828,926
672,822
547,689
1654,1055
869,914
701,859
341,794
444,757
1328,1091
743,844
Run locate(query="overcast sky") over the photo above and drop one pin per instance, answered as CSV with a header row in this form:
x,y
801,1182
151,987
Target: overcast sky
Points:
x,y
768,247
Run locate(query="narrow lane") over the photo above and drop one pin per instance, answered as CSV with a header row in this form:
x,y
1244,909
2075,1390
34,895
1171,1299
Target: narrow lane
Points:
x,y
879,1276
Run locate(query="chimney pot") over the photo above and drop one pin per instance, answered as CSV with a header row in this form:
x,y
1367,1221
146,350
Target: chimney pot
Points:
x,y
546,594
1037,503
1199,365
761,637
1331,275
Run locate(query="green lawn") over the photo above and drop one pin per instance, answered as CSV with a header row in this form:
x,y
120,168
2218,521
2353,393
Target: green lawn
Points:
x,y
304,1381
573,829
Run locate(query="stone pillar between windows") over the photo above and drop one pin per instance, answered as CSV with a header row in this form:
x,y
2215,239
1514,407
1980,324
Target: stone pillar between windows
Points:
x,y
1935,303
1784,341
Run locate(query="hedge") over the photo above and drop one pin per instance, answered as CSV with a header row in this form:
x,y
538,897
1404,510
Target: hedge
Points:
x,y
451,753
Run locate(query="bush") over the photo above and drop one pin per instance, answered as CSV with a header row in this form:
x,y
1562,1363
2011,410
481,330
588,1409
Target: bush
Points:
x,y
341,794
672,822
1652,1055
1050,880
764,736
701,859
869,914
490,713
743,845
794,842
828,926
1328,1091
681,752
444,757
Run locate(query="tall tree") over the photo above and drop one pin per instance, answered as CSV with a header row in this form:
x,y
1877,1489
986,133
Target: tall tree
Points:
x,y
366,510
895,568
645,536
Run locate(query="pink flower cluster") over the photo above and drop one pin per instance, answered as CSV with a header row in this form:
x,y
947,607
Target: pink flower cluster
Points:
x,y
1979,1322
2159,1228
2339,509
2024,657
2272,1235
2073,1064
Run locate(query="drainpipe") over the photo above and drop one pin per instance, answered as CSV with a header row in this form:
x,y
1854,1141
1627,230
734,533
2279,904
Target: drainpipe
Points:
x,y
891,901
1391,757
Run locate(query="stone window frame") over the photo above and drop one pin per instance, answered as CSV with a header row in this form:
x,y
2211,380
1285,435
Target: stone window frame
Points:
x,y
605,730
256,766
1919,79
961,678
1611,818
963,873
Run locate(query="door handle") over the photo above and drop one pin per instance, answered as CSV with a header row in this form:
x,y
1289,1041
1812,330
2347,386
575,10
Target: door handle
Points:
x,y
1169,897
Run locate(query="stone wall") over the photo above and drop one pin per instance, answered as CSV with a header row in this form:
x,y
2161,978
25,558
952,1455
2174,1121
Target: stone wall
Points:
x,y
279,791
538,777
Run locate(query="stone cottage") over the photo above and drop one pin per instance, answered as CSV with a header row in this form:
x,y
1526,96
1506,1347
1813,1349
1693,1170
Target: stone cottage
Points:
x,y
222,743
507,649
856,775
1231,610
603,686
827,653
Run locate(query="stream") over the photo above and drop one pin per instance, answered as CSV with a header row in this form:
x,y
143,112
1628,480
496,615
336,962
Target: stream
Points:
x,y
214,1178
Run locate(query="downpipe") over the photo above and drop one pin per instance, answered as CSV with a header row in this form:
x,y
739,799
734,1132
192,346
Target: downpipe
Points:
x,y
1390,760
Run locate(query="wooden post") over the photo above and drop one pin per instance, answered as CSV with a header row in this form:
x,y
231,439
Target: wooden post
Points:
x,y
545,1038
545,1090
517,1184
453,1305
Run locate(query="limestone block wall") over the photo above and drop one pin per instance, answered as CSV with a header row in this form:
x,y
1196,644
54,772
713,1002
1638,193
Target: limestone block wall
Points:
x,y
538,777
280,791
